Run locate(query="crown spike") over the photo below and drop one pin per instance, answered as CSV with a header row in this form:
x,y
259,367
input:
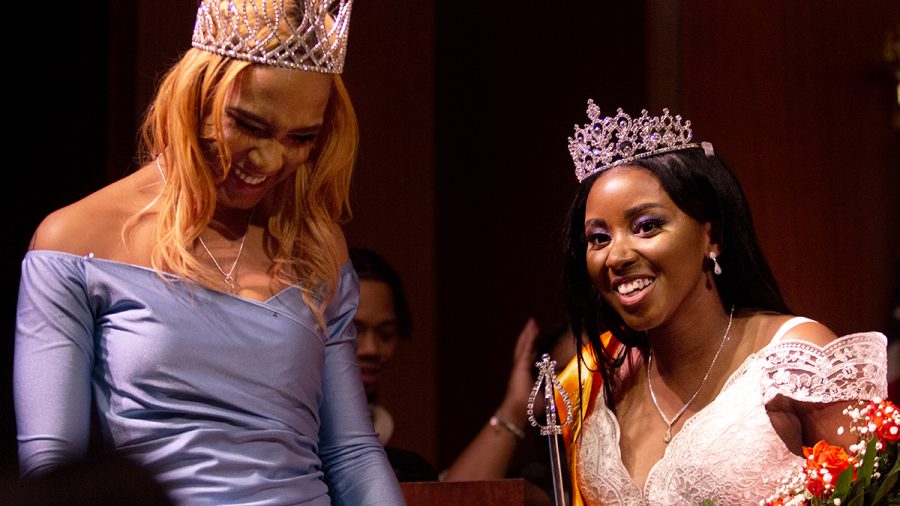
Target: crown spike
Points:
x,y
306,35
607,142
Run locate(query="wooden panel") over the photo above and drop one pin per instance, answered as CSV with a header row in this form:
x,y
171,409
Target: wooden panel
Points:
x,y
512,80
389,75
465,493
797,97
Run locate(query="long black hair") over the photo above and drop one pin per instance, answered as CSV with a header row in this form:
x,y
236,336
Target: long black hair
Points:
x,y
705,189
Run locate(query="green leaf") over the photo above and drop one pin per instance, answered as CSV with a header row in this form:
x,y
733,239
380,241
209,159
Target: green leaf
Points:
x,y
868,463
842,485
857,493
708,502
888,482
887,486
859,500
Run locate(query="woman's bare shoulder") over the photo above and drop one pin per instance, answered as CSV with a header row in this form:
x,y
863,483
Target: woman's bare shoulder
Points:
x,y
94,223
86,226
809,331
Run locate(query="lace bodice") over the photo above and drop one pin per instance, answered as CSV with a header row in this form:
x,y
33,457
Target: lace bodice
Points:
x,y
728,450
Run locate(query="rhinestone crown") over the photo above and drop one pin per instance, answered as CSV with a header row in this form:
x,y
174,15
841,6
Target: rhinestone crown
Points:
x,y
298,34
616,140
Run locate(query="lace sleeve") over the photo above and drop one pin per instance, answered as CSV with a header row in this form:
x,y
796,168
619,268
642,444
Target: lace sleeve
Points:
x,y
851,367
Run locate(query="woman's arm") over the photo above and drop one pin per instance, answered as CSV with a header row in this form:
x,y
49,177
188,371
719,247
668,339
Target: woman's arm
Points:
x,y
355,465
52,362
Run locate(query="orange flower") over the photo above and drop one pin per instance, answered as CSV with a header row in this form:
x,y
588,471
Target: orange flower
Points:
x,y
824,463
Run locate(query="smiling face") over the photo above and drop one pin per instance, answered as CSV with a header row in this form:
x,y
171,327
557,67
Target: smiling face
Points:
x,y
644,254
377,331
270,124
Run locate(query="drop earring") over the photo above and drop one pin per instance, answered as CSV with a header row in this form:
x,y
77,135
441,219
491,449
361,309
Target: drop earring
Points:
x,y
717,269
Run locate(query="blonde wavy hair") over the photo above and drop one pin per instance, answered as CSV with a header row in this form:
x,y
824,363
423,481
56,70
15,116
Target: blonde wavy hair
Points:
x,y
299,236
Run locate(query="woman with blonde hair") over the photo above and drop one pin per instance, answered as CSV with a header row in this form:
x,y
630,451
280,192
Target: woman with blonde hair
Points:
x,y
179,301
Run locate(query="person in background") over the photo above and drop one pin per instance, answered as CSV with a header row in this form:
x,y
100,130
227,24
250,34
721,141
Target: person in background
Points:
x,y
505,447
383,320
202,306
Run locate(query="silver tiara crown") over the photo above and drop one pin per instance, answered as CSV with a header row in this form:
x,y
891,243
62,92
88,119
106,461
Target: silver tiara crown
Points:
x,y
298,34
616,140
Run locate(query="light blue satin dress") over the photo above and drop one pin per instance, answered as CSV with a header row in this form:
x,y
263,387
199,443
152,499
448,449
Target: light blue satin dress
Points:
x,y
227,400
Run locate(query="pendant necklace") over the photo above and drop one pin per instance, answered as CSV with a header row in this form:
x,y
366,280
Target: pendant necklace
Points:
x,y
670,423
228,277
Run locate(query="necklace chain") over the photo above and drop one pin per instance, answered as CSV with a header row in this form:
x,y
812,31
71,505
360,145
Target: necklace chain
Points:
x,y
227,276
670,423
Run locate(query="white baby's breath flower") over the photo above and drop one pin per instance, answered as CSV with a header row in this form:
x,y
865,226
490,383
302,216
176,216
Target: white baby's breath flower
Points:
x,y
840,430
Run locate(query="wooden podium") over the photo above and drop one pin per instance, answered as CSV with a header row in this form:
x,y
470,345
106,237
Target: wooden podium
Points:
x,y
465,493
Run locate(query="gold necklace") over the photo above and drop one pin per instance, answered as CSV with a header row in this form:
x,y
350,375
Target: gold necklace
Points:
x,y
670,423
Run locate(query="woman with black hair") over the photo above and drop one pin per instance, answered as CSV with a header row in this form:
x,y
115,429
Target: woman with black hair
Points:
x,y
696,382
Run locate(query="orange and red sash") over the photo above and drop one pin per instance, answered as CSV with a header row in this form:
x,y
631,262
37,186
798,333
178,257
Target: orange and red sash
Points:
x,y
591,383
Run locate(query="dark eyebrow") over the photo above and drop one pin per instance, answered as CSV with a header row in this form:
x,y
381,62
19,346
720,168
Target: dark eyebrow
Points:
x,y
638,209
594,222
629,214
247,115
314,129
244,114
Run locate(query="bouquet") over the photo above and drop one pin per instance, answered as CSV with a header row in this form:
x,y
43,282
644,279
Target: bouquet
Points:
x,y
867,476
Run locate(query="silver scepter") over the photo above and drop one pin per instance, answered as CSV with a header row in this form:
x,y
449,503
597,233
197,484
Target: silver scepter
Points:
x,y
552,429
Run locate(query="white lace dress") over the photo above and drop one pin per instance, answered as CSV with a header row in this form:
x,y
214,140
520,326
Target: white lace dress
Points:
x,y
728,450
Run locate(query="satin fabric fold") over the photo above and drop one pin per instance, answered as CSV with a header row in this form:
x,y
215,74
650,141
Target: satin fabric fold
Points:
x,y
583,396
